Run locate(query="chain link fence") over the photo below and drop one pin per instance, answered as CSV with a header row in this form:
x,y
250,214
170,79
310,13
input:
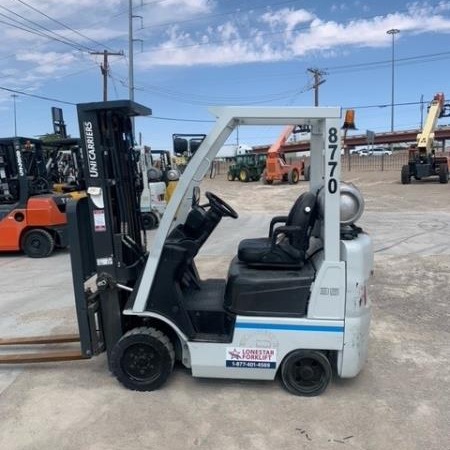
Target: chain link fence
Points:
x,y
353,162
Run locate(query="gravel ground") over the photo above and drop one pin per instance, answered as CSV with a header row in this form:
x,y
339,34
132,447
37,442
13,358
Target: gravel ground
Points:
x,y
400,400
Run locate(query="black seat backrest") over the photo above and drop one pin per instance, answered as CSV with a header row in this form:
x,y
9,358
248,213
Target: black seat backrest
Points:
x,y
302,214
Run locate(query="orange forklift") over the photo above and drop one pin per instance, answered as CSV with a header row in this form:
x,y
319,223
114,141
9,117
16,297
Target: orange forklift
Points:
x,y
277,168
32,218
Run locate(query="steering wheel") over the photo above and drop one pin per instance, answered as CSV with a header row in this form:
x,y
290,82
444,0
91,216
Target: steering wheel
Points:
x,y
220,206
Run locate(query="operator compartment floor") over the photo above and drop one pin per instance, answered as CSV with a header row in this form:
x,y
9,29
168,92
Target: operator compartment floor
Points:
x,y
205,308
208,298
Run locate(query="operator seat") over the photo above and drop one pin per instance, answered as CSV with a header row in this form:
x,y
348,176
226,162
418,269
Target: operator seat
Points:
x,y
271,276
286,245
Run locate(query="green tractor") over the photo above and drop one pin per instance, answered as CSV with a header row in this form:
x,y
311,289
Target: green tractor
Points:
x,y
248,167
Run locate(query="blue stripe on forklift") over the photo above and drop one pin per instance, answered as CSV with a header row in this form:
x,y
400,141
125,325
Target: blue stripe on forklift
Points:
x,y
273,326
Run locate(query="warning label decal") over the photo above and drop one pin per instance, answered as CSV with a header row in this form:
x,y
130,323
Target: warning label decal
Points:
x,y
99,220
251,358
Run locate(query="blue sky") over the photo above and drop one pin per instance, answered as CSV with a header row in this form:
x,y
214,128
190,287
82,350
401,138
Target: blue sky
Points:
x,y
197,53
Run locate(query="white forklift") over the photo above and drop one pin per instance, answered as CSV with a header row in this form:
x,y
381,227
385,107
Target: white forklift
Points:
x,y
153,196
294,303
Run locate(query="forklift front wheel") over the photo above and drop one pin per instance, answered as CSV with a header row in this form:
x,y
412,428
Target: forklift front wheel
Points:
x,y
38,243
143,359
306,372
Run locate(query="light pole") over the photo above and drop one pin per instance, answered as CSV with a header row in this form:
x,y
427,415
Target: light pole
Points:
x,y
392,32
14,96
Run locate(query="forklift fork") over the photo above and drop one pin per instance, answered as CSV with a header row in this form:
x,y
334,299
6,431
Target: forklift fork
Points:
x,y
38,357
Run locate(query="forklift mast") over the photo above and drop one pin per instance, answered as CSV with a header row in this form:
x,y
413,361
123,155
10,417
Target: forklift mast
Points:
x,y
105,227
23,171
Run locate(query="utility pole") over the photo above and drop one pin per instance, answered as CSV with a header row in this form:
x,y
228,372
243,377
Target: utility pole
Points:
x,y
131,41
130,51
105,69
317,74
421,112
14,96
392,32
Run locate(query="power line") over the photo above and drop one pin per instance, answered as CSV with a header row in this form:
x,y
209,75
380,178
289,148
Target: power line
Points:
x,y
62,24
182,119
179,119
40,97
39,32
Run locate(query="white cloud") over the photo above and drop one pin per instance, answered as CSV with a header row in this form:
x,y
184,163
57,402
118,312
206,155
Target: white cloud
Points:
x,y
47,62
292,33
288,17
190,5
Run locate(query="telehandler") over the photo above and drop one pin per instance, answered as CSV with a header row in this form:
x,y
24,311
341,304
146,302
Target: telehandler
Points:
x,y
294,303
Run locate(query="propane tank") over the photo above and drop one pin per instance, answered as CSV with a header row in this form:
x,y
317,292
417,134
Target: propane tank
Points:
x,y
173,175
351,203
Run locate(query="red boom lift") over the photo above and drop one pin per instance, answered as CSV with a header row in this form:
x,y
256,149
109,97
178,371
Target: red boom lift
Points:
x,y
277,168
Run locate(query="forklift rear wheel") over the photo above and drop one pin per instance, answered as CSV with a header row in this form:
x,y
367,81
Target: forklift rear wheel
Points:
x,y
143,359
230,177
293,176
38,243
406,177
244,176
306,372
149,221
443,173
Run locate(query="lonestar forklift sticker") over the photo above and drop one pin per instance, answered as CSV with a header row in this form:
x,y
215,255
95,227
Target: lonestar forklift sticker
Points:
x,y
254,358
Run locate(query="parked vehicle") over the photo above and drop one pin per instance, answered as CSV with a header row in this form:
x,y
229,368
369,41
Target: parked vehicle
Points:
x,y
247,167
377,151
381,151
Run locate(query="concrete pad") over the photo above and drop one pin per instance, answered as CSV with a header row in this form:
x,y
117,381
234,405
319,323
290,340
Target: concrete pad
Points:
x,y
400,400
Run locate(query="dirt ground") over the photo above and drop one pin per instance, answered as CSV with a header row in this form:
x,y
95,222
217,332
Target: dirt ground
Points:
x,y
400,400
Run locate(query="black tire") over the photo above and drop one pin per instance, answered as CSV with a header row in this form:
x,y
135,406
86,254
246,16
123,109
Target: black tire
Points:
x,y
306,372
37,243
143,359
244,176
406,177
443,173
230,176
264,179
293,176
149,221
307,173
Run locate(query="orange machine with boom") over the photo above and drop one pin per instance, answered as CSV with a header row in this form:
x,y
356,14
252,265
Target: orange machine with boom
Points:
x,y
32,218
277,168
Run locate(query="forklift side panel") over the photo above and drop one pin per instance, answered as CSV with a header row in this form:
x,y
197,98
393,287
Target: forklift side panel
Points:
x,y
275,335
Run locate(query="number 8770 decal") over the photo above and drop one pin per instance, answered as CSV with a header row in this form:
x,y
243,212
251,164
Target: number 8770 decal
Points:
x,y
333,137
